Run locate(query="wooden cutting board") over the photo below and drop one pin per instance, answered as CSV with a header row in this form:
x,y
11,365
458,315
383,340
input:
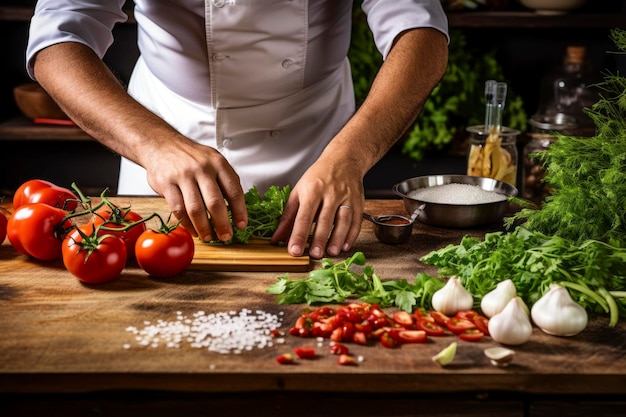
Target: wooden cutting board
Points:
x,y
256,255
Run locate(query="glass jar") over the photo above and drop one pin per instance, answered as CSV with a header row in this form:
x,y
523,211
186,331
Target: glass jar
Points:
x,y
544,129
493,156
533,186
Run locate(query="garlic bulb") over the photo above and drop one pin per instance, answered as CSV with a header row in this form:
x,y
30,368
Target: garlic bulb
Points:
x,y
452,298
558,314
512,325
494,301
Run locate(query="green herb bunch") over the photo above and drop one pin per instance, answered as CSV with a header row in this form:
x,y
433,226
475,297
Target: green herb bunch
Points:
x,y
264,212
594,272
352,278
588,175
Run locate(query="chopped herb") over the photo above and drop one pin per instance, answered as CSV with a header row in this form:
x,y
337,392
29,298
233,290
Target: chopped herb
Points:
x,y
336,282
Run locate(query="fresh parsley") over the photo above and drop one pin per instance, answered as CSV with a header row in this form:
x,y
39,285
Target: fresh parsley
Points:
x,y
352,278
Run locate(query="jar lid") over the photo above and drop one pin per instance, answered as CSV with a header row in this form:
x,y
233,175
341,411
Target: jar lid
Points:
x,y
504,131
553,122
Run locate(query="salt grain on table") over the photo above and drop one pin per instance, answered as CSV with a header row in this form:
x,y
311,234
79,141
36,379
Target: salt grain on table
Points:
x,y
226,332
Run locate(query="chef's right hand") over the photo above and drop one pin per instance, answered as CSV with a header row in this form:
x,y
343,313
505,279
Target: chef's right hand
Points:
x,y
195,180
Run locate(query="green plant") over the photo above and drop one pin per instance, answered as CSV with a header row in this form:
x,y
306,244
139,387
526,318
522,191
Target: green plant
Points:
x,y
455,103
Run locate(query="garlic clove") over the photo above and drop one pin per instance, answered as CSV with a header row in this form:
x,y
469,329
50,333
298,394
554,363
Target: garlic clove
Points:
x,y
556,313
500,356
452,298
494,301
446,355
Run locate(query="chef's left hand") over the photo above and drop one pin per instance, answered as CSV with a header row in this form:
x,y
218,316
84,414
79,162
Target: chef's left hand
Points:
x,y
327,202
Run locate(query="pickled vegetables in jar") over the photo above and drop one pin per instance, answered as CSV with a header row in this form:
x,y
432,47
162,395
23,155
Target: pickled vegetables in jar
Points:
x,y
493,154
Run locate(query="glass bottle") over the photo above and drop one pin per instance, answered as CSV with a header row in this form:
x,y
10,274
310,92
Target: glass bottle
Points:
x,y
543,133
493,155
567,90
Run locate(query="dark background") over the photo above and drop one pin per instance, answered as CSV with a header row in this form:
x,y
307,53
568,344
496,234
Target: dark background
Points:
x,y
524,51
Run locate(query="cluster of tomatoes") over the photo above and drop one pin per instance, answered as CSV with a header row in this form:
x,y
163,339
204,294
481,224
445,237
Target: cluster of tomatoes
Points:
x,y
363,323
50,222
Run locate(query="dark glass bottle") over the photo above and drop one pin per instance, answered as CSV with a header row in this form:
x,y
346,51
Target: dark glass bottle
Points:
x,y
568,90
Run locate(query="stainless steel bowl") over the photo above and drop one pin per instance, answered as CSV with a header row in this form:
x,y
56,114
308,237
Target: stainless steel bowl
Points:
x,y
455,215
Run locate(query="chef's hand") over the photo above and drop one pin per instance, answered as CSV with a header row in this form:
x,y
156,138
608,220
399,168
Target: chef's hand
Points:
x,y
195,179
331,196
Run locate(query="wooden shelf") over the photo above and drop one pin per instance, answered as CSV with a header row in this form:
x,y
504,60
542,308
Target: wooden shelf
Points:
x,y
531,20
23,14
513,19
21,128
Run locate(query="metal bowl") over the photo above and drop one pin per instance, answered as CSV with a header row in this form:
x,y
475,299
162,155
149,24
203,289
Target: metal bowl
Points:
x,y
455,215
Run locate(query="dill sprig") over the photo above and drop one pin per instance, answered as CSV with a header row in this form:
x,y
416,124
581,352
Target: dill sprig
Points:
x,y
588,174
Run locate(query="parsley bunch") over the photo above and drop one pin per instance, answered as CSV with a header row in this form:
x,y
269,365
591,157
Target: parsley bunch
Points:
x,y
264,212
352,278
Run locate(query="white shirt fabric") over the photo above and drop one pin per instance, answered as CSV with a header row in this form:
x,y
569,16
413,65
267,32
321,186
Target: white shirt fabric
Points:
x,y
266,82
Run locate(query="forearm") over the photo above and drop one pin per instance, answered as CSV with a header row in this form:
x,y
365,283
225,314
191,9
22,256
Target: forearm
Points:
x,y
413,68
94,99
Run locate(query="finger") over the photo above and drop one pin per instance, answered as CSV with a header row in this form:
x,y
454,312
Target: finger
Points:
x,y
302,224
215,204
234,194
321,234
196,209
175,201
286,222
341,228
355,229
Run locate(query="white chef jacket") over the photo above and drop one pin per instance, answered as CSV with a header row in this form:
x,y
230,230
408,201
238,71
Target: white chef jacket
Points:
x,y
265,82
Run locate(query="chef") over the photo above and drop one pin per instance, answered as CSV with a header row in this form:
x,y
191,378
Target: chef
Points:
x,y
227,94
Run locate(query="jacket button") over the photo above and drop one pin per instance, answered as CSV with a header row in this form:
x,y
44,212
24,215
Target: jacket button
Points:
x,y
218,3
287,63
275,133
219,57
227,142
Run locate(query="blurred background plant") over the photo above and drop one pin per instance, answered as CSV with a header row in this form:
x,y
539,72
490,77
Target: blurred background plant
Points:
x,y
456,102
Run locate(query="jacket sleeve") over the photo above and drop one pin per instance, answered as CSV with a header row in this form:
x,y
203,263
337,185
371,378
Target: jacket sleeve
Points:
x,y
387,19
89,22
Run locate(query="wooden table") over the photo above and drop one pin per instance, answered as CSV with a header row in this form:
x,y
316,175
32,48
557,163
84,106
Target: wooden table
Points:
x,y
65,346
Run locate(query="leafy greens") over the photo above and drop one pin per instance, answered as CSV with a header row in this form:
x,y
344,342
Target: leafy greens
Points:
x,y
352,278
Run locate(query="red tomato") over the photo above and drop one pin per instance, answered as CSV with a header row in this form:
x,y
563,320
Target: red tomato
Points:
x,y
482,323
466,314
41,191
403,318
430,327
412,336
37,230
471,335
285,359
3,227
339,349
457,325
165,254
389,340
92,259
304,352
440,318
346,360
118,218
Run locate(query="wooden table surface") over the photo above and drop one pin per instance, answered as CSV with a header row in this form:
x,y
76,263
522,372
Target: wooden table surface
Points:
x,y
60,336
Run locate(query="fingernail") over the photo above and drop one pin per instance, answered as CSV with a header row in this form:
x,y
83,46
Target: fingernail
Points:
x,y
346,247
333,250
295,250
241,224
316,252
226,237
